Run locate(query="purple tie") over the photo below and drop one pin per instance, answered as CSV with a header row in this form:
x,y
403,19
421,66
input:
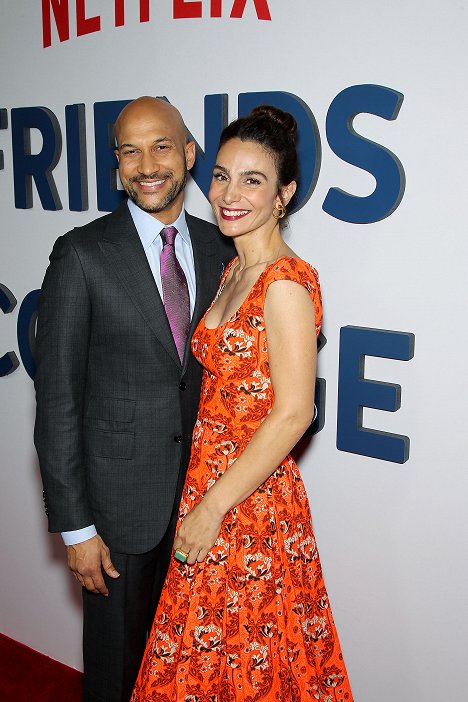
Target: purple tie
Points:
x,y
175,291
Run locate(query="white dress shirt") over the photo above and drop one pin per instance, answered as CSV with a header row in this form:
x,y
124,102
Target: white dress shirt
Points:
x,y
149,229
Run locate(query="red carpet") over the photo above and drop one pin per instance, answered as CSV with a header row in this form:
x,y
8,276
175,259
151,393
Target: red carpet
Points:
x,y
28,676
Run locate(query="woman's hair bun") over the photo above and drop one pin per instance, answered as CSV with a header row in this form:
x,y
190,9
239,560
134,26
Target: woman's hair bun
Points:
x,y
274,130
283,120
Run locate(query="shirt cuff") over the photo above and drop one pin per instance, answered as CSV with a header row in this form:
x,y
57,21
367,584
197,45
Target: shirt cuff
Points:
x,y
78,535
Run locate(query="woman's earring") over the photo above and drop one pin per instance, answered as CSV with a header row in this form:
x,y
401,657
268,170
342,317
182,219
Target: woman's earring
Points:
x,y
279,211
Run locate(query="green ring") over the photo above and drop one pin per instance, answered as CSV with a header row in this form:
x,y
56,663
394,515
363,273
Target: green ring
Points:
x,y
180,556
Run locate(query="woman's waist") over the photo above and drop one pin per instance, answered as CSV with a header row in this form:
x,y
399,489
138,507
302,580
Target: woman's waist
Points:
x,y
225,422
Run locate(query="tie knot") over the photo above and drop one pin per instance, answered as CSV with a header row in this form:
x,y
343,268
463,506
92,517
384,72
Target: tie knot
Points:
x,y
168,235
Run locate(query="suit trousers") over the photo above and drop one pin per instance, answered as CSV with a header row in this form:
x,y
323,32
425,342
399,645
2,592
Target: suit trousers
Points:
x,y
115,627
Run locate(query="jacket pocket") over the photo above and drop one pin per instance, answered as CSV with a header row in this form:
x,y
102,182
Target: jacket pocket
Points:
x,y
110,444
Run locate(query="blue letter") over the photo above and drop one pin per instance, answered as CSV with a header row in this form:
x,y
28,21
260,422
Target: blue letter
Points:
x,y
39,166
215,120
3,125
105,114
77,165
26,330
308,138
354,392
318,421
9,361
363,153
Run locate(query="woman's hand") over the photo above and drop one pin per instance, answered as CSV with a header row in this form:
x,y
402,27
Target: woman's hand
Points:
x,y
198,532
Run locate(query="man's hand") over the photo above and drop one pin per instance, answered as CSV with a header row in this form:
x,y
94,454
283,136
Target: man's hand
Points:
x,y
86,561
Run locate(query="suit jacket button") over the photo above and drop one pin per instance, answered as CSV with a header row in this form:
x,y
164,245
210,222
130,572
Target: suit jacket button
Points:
x,y
178,439
182,386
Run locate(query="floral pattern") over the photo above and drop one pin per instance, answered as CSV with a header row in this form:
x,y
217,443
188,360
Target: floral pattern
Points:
x,y
253,621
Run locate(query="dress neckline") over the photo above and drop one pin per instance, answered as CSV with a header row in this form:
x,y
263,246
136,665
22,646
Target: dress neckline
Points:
x,y
226,273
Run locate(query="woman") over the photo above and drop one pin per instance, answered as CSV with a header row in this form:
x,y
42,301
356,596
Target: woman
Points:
x,y
244,613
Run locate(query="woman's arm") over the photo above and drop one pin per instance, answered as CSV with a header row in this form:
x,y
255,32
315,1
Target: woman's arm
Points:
x,y
292,351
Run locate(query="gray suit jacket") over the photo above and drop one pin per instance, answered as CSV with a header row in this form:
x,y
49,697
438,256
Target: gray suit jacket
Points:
x,y
115,409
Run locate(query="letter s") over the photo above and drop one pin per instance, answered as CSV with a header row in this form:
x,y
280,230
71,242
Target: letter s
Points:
x,y
363,153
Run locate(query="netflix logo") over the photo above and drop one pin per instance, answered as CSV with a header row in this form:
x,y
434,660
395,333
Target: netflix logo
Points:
x,y
57,12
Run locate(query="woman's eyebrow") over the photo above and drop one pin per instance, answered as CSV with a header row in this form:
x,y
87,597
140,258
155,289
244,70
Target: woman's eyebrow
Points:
x,y
242,173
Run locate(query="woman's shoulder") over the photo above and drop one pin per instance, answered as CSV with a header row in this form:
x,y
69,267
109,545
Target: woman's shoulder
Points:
x,y
295,269
298,271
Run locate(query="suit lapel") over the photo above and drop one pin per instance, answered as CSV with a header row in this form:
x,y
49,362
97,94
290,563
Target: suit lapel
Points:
x,y
123,248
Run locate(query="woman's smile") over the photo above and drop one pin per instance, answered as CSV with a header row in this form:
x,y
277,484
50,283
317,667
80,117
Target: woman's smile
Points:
x,y
232,215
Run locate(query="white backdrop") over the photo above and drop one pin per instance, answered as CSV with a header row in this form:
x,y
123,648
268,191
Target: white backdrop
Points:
x,y
392,537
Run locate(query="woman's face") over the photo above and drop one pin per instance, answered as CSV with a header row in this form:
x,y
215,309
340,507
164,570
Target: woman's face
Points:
x,y
244,188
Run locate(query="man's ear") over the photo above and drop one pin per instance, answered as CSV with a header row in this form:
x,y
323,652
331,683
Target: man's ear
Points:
x,y
117,154
190,154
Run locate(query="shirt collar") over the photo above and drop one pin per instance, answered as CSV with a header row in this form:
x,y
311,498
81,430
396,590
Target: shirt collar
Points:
x,y
149,227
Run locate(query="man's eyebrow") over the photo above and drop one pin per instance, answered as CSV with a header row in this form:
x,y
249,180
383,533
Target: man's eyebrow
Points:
x,y
135,146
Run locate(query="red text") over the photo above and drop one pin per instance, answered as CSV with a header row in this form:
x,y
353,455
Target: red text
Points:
x,y
58,12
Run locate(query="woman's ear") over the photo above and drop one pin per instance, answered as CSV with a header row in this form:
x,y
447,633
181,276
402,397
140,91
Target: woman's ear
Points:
x,y
287,191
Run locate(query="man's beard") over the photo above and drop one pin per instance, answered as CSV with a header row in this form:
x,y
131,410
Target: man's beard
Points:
x,y
175,189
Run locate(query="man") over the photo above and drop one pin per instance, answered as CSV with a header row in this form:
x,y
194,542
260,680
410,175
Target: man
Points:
x,y
117,388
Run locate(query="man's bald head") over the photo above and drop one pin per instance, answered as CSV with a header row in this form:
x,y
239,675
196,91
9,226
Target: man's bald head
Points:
x,y
147,108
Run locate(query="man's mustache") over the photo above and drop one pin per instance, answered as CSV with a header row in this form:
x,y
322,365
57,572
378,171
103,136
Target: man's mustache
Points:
x,y
151,176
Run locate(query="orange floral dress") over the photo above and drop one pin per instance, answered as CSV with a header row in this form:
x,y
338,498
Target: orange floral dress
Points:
x,y
252,623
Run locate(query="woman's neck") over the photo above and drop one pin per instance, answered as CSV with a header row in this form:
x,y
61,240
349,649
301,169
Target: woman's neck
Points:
x,y
258,248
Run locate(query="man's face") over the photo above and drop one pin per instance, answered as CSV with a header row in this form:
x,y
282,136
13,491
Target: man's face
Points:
x,y
154,158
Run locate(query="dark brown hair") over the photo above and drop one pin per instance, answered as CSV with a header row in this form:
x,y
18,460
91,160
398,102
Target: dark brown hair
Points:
x,y
275,131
